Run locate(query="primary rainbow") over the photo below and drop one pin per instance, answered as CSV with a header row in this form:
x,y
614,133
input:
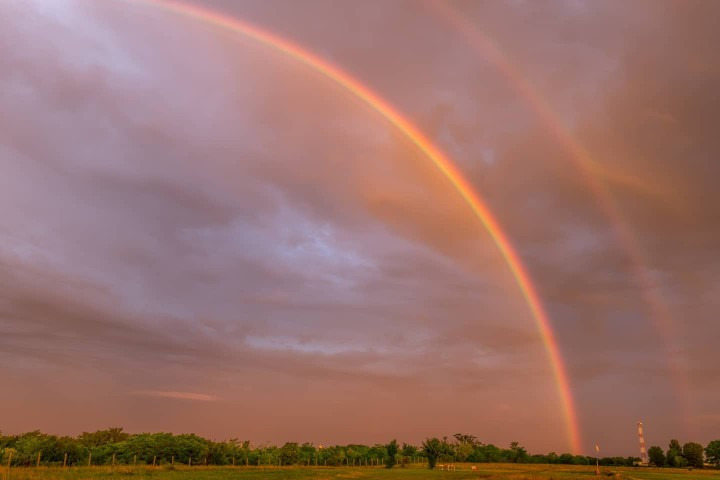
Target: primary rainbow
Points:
x,y
439,159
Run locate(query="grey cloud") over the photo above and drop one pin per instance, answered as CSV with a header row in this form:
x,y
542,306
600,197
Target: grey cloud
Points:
x,y
167,210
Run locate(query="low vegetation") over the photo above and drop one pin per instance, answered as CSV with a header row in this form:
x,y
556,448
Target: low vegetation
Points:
x,y
115,453
116,447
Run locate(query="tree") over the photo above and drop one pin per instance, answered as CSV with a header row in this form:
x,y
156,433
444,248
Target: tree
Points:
x,y
378,451
656,456
462,438
674,452
489,453
408,451
693,453
392,451
518,454
308,454
103,437
463,451
289,453
712,452
432,448
579,460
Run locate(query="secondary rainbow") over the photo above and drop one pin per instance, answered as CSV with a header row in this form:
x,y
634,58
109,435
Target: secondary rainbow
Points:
x,y
439,159
593,172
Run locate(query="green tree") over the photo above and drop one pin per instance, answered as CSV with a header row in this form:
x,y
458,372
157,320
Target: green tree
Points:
x,y
289,453
378,451
463,451
28,445
712,452
693,453
307,453
407,452
432,449
392,451
673,453
490,453
518,454
103,437
656,456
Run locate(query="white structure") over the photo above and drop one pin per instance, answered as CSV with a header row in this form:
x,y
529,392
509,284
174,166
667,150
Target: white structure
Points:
x,y
643,451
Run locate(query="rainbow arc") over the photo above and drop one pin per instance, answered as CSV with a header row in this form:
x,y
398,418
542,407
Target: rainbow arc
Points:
x,y
431,151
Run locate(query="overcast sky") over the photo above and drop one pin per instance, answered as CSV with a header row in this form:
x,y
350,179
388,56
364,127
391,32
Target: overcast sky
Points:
x,y
200,234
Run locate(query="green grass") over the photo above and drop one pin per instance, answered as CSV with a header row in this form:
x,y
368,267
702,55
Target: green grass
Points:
x,y
414,472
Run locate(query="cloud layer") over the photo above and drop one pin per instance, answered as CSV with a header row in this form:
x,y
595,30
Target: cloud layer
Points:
x,y
190,216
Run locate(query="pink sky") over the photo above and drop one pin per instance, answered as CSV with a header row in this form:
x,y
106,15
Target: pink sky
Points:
x,y
201,235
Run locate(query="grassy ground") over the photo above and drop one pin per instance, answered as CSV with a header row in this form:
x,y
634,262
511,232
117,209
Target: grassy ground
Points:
x,y
415,472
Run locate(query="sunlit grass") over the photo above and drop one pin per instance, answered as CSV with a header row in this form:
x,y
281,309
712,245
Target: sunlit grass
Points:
x,y
413,472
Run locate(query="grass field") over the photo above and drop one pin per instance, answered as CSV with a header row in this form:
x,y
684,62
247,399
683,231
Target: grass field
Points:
x,y
484,471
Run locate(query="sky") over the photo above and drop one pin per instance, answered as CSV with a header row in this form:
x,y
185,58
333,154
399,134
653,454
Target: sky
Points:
x,y
202,234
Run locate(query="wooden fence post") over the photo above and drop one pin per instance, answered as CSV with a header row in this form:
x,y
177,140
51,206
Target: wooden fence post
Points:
x,y
172,460
65,461
38,460
90,459
134,459
113,460
154,458
189,461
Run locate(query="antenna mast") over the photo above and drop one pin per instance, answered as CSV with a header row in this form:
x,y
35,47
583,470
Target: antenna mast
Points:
x,y
643,451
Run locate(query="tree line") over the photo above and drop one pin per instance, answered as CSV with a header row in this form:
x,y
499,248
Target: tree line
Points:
x,y
467,448
688,455
115,446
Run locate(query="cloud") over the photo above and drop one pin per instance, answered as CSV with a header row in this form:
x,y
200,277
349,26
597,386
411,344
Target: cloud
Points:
x,y
198,397
209,210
